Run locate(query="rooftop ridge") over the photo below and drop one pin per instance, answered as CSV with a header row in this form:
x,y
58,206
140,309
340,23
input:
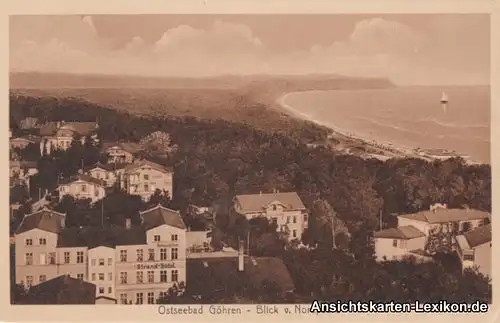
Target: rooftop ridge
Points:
x,y
159,206
45,209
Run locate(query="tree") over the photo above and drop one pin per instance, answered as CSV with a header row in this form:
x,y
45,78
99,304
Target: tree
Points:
x,y
174,295
324,225
158,143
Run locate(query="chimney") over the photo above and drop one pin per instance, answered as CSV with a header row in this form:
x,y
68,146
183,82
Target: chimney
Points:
x,y
241,258
128,223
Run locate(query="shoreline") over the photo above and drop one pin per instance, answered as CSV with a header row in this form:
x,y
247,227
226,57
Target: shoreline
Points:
x,y
354,144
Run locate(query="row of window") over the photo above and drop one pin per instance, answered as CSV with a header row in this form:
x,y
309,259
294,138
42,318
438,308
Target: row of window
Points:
x,y
139,279
50,258
29,280
139,298
174,254
41,241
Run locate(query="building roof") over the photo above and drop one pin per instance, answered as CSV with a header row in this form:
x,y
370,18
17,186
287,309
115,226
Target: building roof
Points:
x,y
160,215
82,177
30,139
446,215
82,128
404,232
217,274
147,163
257,202
44,219
130,147
478,236
108,166
92,237
62,290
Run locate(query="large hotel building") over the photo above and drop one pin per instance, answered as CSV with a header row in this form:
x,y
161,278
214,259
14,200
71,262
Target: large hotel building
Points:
x,y
131,264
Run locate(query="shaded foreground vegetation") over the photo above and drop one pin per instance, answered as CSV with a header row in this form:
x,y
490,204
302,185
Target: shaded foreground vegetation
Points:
x,y
217,159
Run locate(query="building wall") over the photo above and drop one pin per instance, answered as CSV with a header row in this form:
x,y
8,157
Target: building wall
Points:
x,y
40,256
92,191
293,220
426,227
482,258
101,269
144,181
74,268
198,239
118,155
105,175
385,247
19,143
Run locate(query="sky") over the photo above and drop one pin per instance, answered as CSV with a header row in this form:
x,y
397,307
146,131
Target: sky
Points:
x,y
410,49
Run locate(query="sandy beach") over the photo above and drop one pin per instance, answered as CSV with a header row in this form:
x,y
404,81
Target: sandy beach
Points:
x,y
356,144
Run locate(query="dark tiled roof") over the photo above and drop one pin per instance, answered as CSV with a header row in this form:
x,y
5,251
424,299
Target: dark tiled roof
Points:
x,y
142,163
209,274
478,236
83,177
62,290
405,232
92,237
257,202
446,215
160,215
131,147
44,219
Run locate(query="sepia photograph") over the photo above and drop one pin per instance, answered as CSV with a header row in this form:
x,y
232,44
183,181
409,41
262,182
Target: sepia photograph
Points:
x,y
250,159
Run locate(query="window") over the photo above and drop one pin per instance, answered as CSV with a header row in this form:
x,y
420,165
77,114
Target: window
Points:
x,y
146,177
163,276
123,278
101,276
43,259
93,262
110,261
101,262
123,255
175,275
274,207
110,276
79,257
43,278
66,257
29,242
83,188
110,290
29,281
123,298
146,188
394,243
79,276
106,175
151,276
175,237
29,258
274,221
403,244
162,295
140,277
101,290
287,219
140,255
294,219
157,238
93,277
469,257
139,298
305,218
52,258
163,254
96,191
151,254
43,241
151,298
174,254
294,233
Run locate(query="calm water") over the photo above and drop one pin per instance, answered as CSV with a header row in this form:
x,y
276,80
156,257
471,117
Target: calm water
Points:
x,y
409,116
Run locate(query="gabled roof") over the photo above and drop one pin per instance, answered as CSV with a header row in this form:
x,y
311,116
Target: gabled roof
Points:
x,y
147,163
83,177
404,232
220,273
24,138
257,202
44,219
93,237
159,215
62,290
478,236
130,147
446,215
108,167
82,128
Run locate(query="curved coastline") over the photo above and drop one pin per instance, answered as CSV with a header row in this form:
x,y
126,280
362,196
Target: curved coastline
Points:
x,y
383,150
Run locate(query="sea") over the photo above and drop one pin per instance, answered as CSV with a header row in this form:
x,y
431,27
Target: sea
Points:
x,y
408,117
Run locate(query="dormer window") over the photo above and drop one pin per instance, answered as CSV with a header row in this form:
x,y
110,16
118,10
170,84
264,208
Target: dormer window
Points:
x,y
274,207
